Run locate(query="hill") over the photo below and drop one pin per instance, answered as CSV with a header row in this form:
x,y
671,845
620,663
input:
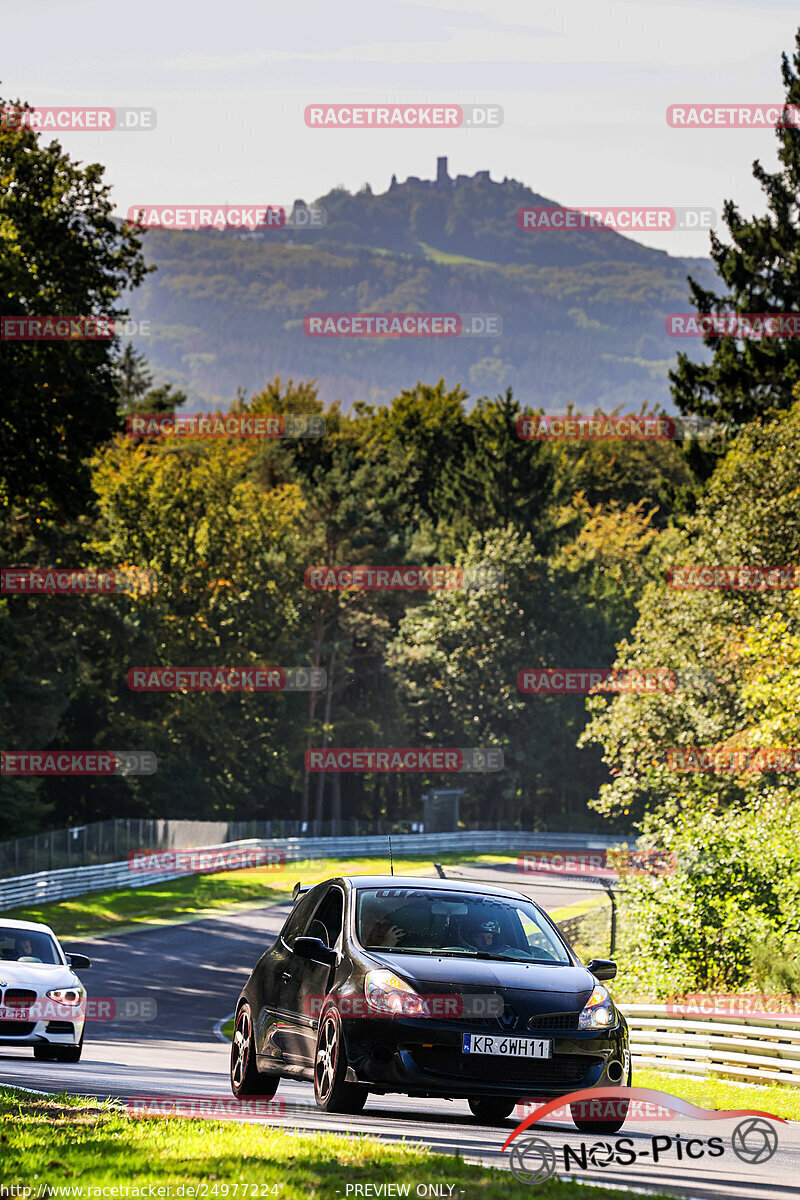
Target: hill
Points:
x,y
582,311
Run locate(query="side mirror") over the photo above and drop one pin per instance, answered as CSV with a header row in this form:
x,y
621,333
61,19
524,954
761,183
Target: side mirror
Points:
x,y
80,961
602,968
315,950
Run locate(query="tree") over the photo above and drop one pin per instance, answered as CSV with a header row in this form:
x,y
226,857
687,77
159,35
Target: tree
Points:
x,y
457,658
61,253
761,268
740,644
721,913
134,391
133,377
223,551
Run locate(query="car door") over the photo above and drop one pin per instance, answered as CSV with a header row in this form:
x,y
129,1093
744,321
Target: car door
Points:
x,y
305,984
271,974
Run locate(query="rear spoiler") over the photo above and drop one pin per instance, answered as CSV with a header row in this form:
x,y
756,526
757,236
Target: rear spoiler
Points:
x,y
298,890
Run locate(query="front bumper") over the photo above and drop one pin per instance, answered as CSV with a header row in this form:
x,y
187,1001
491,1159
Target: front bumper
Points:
x,y
423,1057
61,1032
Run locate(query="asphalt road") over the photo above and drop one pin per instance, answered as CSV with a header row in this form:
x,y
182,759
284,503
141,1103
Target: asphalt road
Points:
x,y
194,972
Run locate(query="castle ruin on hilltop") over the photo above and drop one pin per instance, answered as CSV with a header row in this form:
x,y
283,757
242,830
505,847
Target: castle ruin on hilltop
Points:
x,y
443,182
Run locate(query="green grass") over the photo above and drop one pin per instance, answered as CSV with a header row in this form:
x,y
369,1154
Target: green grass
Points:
x,y
578,910
723,1093
64,1142
191,895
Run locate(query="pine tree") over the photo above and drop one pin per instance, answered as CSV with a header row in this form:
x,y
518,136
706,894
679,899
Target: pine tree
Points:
x,y
761,268
133,377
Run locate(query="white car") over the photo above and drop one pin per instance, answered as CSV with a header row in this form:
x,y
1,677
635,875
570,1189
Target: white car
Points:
x,y
42,1000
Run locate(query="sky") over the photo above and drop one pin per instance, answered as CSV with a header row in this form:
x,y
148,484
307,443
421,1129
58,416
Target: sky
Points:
x,y
584,86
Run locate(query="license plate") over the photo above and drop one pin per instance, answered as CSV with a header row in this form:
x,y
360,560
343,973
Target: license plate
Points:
x,y
515,1047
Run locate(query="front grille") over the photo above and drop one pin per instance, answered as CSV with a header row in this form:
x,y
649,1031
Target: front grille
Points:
x,y
60,1027
554,1021
551,1022
566,1069
19,998
16,1028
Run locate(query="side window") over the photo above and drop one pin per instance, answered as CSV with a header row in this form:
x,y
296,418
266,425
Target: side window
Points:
x,y
327,923
300,916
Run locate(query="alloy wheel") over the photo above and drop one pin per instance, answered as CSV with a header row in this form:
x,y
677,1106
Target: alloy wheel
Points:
x,y
241,1050
326,1058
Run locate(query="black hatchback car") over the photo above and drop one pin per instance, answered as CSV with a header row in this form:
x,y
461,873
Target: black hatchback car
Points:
x,y
380,983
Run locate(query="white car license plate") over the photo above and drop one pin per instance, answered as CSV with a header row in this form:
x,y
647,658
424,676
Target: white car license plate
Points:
x,y
516,1047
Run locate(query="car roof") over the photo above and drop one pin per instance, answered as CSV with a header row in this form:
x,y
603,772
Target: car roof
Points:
x,y
30,926
430,884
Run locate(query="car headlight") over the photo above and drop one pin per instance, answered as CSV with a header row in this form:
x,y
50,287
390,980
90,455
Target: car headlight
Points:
x,y
66,995
389,994
598,1012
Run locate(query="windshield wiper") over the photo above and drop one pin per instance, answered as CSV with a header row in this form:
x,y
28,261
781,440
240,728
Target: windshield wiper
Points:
x,y
484,955
397,950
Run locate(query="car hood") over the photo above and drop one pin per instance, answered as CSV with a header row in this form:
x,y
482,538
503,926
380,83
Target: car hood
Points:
x,y
573,984
41,976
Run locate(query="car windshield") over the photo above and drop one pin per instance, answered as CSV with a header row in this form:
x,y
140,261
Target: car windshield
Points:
x,y
27,945
424,921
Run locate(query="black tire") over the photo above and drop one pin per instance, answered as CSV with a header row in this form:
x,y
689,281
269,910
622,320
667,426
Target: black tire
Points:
x,y
45,1053
587,1125
70,1054
490,1110
246,1079
331,1092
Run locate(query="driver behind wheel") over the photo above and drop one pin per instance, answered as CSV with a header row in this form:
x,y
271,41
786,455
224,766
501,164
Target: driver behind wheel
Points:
x,y
484,934
383,932
24,950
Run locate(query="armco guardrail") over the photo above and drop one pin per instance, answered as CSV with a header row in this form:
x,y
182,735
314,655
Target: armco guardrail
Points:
x,y
112,840
752,1049
44,886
